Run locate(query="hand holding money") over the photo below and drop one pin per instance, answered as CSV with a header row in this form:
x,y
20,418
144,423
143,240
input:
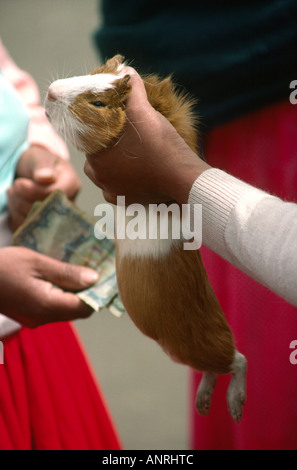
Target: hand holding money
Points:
x,y
28,294
58,228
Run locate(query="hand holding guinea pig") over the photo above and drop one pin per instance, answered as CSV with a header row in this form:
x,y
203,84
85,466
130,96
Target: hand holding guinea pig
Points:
x,y
151,162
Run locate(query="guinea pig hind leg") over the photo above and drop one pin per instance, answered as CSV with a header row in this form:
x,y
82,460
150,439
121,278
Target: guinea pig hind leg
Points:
x,y
205,391
236,393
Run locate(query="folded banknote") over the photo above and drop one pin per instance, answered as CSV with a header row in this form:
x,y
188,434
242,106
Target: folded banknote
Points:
x,y
58,228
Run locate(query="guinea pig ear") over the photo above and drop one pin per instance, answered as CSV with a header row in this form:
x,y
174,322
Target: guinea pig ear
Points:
x,y
123,88
111,66
114,63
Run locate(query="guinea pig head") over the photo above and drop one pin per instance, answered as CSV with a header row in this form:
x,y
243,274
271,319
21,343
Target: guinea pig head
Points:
x,y
89,111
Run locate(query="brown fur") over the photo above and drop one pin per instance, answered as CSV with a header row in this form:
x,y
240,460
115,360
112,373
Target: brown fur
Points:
x,y
177,107
170,300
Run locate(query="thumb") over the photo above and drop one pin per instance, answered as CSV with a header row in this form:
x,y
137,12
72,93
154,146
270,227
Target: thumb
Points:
x,y
45,171
65,275
138,96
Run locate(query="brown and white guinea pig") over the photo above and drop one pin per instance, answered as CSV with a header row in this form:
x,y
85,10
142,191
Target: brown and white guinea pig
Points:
x,y
164,288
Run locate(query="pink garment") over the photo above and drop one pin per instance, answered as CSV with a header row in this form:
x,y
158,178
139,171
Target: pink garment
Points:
x,y
40,131
261,149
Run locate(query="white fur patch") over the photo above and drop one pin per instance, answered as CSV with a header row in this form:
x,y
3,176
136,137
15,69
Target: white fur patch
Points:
x,y
144,248
67,89
64,122
144,245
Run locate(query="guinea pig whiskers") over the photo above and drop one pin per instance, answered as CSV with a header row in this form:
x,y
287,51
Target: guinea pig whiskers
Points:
x,y
150,84
63,126
136,130
55,75
119,140
130,155
75,131
71,129
107,125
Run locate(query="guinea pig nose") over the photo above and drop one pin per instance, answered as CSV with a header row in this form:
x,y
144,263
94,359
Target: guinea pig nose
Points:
x,y
51,95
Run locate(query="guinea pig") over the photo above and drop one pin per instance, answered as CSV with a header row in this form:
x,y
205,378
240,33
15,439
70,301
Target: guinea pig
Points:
x,y
164,288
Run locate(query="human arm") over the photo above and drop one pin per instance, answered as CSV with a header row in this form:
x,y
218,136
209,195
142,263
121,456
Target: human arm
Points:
x,y
250,228
29,294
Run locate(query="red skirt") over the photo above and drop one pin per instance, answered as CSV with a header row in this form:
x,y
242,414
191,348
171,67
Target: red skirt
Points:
x,y
261,149
49,398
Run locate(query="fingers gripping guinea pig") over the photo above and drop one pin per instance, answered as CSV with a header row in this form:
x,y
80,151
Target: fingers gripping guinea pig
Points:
x,y
164,288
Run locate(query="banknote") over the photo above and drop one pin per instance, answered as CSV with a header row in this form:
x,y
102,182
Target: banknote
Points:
x,y
58,228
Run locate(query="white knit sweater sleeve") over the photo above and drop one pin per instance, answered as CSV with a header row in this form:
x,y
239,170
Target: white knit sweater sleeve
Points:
x,y
251,229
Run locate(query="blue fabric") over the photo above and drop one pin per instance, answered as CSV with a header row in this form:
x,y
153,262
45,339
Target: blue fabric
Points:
x,y
234,56
14,124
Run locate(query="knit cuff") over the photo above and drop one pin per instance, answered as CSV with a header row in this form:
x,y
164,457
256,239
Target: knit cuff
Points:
x,y
218,192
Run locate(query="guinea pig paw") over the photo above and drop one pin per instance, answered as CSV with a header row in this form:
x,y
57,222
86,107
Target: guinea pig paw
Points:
x,y
205,392
236,393
235,400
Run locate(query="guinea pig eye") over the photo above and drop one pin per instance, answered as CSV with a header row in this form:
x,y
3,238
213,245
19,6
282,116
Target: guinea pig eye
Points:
x,y
98,104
